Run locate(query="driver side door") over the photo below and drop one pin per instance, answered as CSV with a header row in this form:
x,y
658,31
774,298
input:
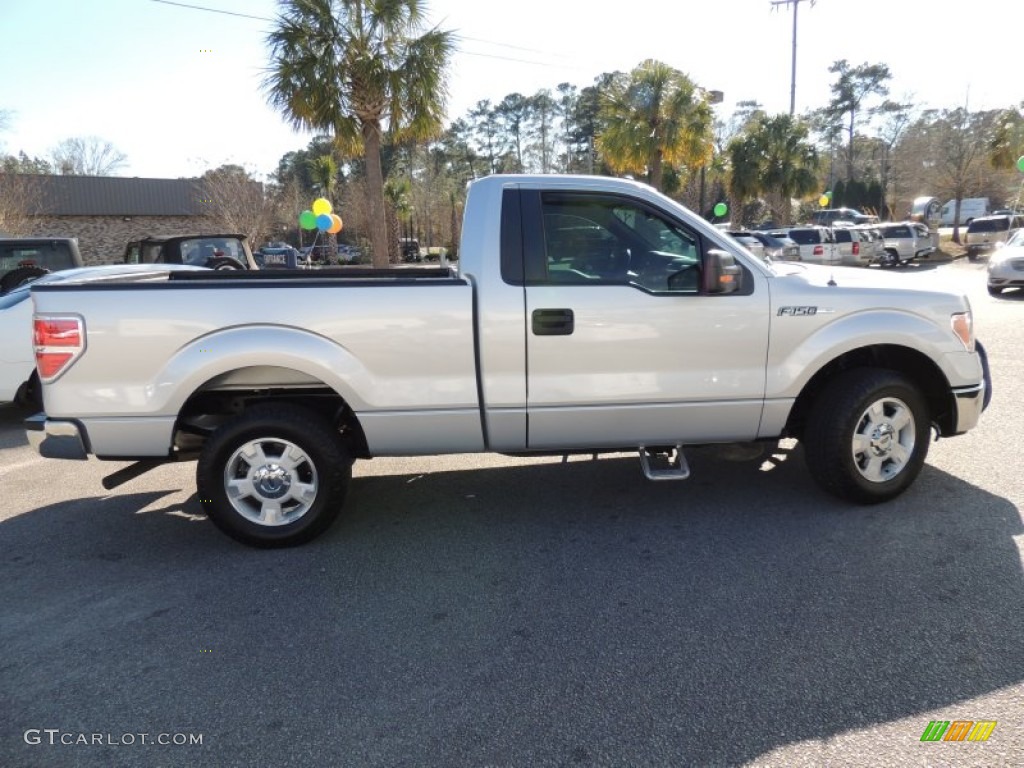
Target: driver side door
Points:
x,y
625,345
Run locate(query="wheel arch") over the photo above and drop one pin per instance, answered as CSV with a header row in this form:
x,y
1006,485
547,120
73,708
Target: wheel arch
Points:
x,y
232,392
915,365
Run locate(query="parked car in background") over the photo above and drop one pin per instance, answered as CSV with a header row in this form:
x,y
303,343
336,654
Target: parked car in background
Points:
x,y
905,241
872,242
19,382
279,256
748,241
349,254
826,217
986,232
210,251
778,246
817,245
320,255
25,258
970,209
849,248
1006,265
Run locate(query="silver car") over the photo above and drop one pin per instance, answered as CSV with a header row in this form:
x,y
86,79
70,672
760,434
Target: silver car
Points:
x,y
1006,265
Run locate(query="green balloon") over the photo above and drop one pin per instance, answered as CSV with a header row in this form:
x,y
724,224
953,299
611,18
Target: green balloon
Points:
x,y
307,220
1020,163
721,209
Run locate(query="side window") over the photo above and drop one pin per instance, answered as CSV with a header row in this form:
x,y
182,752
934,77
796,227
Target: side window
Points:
x,y
602,240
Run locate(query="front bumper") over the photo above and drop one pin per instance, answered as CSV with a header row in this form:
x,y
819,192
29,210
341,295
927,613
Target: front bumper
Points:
x,y
55,439
971,401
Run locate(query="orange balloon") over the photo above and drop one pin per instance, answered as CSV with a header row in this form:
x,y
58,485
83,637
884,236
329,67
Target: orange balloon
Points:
x,y
336,224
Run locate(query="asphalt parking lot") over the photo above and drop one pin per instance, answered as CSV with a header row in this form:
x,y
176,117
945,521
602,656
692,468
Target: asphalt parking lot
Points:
x,y
491,611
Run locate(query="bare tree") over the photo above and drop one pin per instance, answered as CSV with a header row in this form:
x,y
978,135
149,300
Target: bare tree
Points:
x,y
238,203
16,196
959,140
896,118
87,156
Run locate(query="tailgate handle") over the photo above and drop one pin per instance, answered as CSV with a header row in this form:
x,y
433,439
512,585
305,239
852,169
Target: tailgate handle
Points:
x,y
553,322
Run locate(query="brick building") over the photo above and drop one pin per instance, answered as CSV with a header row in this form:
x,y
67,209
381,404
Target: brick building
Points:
x,y
105,212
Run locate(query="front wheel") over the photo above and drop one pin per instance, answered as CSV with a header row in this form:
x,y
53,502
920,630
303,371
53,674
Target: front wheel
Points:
x,y
274,476
995,290
867,436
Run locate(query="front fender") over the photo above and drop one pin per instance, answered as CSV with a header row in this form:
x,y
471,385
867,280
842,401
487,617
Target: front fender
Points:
x,y
793,359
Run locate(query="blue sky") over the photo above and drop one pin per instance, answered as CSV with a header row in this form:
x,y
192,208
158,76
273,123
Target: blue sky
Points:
x,y
177,90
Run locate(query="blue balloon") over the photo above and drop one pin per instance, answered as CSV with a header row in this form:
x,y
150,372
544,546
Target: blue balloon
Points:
x,y
324,222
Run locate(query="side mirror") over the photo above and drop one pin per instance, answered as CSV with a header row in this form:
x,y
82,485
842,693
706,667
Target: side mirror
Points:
x,y
723,274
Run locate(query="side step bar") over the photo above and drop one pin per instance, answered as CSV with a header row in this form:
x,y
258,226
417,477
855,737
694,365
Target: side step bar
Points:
x,y
674,466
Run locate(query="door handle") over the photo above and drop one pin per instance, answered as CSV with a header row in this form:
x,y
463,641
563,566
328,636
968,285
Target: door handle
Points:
x,y
553,322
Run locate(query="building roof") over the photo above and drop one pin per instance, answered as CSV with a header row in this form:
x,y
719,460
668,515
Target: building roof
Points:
x,y
109,195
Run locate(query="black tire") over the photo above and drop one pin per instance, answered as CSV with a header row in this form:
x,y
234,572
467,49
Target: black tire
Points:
x,y
887,457
320,461
889,259
224,262
30,394
19,276
995,290
972,256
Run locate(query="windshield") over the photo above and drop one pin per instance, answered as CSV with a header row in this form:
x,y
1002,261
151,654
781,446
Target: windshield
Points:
x,y
51,255
989,225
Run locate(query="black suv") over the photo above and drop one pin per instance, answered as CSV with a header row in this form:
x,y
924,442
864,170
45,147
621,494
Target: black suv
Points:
x,y
26,258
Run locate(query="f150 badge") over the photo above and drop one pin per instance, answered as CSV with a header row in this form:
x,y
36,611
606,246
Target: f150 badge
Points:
x,y
795,311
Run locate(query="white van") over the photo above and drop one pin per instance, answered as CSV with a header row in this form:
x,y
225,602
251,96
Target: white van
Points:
x,y
970,209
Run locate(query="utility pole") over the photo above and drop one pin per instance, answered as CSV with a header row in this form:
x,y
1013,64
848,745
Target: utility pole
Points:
x,y
792,82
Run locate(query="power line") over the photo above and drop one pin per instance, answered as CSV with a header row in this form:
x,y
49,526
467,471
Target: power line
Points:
x,y
212,10
459,37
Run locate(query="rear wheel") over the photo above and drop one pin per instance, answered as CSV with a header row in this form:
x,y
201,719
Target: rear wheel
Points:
x,y
30,394
867,436
890,259
274,476
995,290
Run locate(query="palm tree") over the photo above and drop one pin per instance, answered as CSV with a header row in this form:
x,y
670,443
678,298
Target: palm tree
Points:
x,y
353,68
397,207
323,170
773,158
653,116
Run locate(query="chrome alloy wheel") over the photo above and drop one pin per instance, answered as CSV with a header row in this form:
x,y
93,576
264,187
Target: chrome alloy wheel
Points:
x,y
270,481
884,439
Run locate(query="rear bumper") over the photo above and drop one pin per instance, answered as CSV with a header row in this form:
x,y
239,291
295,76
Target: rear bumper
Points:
x,y
55,439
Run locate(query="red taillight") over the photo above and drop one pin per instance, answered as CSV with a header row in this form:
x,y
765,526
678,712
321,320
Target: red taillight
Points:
x,y
856,249
819,250
58,332
58,341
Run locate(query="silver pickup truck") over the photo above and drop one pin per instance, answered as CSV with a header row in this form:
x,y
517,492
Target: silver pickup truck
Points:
x,y
588,314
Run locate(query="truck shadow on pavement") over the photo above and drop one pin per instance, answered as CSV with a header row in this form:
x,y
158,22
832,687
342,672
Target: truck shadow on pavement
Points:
x,y
12,434
531,614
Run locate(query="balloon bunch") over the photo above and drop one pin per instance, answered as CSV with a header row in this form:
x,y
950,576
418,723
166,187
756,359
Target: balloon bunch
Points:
x,y
321,218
